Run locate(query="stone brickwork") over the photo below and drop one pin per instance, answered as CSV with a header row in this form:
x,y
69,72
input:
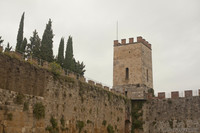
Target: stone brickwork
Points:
x,y
132,64
66,97
180,115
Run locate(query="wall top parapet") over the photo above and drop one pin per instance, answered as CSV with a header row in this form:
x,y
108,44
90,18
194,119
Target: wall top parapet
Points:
x,y
131,41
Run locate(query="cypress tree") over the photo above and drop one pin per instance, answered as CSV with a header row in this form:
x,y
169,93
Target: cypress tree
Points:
x,y
47,43
1,41
69,62
20,34
34,46
79,68
60,58
8,48
23,46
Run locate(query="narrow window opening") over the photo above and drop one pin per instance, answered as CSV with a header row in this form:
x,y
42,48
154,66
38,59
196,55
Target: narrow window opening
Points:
x,y
147,75
127,73
126,93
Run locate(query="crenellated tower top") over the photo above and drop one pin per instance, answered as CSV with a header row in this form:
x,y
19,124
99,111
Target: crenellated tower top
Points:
x,y
131,41
132,67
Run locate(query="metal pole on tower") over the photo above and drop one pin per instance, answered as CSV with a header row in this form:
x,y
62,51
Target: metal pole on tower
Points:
x,y
117,30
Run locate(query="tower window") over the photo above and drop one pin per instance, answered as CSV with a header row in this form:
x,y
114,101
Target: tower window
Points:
x,y
147,75
127,73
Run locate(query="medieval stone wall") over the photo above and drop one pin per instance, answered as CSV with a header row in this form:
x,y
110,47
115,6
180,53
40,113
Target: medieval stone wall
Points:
x,y
84,107
172,115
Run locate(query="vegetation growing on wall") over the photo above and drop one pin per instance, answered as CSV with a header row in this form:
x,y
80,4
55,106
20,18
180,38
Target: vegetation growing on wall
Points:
x,y
104,122
10,116
19,98
26,105
110,129
39,111
55,69
136,113
54,126
80,125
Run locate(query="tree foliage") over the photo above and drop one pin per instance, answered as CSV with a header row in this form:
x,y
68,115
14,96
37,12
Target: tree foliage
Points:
x,y
20,34
69,62
1,41
60,58
47,43
79,68
33,49
23,46
8,48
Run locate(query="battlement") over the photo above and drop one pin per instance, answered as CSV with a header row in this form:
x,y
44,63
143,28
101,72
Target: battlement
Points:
x,y
131,41
176,94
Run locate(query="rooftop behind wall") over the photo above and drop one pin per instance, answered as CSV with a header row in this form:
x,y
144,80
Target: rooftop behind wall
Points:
x,y
131,41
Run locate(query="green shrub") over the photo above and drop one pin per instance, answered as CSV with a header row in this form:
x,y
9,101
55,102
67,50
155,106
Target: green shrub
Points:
x,y
171,123
79,125
55,68
19,98
10,116
89,121
26,105
54,126
110,129
104,122
169,101
62,121
136,113
39,111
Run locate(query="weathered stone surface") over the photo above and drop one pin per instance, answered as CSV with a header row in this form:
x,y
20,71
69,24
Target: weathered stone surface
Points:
x,y
62,96
132,66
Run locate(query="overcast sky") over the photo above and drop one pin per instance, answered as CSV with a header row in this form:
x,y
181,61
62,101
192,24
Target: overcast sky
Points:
x,y
171,26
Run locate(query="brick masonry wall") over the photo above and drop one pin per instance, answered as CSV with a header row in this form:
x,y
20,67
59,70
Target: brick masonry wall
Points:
x,y
180,115
62,97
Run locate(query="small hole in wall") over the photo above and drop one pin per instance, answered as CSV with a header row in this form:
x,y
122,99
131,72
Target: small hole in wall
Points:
x,y
129,52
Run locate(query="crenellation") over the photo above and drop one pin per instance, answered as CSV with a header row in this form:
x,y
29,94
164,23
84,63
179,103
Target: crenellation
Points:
x,y
188,93
161,95
139,39
174,94
116,42
123,41
131,40
91,82
99,85
106,88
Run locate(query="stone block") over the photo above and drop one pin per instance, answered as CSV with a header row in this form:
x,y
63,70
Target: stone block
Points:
x,y
161,95
174,94
131,40
82,78
123,41
139,39
188,93
91,82
106,88
99,85
116,42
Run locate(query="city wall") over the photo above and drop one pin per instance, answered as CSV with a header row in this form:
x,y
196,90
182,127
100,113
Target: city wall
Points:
x,y
84,107
172,115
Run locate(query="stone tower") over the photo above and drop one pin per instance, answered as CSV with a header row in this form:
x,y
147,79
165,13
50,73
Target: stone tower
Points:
x,y
132,68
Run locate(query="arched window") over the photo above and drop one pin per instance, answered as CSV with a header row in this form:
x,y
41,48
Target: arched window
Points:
x,y
127,73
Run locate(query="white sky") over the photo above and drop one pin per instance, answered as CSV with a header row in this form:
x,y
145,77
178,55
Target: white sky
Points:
x,y
171,26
